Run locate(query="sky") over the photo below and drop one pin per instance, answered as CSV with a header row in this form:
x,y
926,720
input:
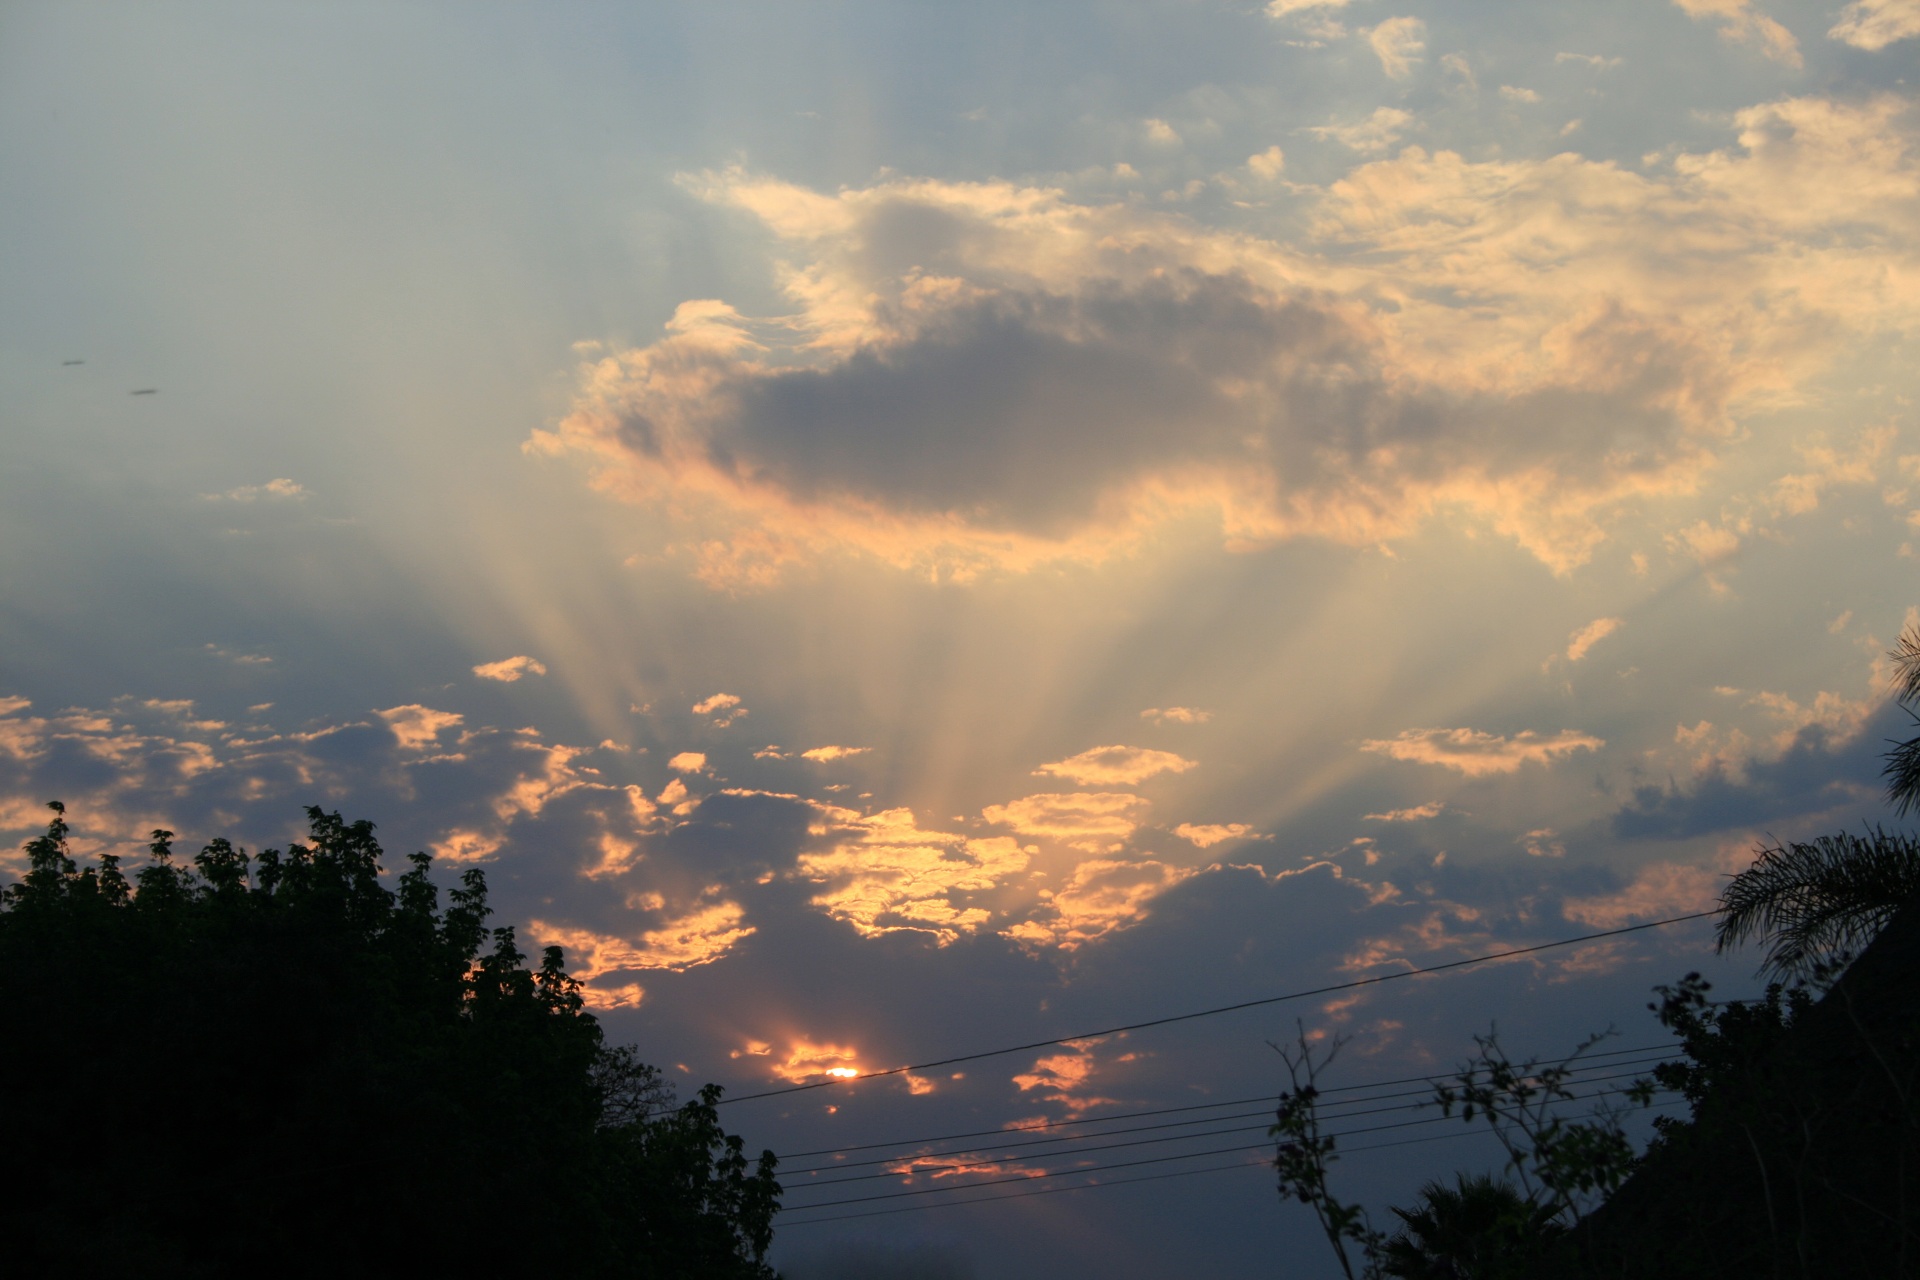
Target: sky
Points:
x,y
894,531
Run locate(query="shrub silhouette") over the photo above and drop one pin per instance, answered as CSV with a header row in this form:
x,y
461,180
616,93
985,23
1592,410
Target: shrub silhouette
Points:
x,y
279,1066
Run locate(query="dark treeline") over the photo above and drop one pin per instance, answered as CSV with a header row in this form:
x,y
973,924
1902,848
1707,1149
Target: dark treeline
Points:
x,y
281,1067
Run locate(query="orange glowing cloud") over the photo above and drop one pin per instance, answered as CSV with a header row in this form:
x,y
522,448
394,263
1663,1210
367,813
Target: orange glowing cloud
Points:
x,y
1418,813
1208,835
807,1062
1565,338
722,708
823,755
882,873
1116,765
1100,896
418,728
1085,819
508,670
1588,636
1479,754
701,936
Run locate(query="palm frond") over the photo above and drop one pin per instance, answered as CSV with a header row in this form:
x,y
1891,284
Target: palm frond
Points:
x,y
1809,901
1903,774
1906,657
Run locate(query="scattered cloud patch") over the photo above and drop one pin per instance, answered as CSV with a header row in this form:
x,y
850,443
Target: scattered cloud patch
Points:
x,y
1590,635
1084,819
1208,835
1399,44
884,873
1267,165
1514,93
823,755
1874,24
281,489
721,708
508,670
418,728
1100,897
1176,715
1478,754
1375,134
1116,765
688,762
1741,23
1418,813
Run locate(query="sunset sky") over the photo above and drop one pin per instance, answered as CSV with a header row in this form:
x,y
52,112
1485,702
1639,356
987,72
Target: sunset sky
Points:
x,y
896,530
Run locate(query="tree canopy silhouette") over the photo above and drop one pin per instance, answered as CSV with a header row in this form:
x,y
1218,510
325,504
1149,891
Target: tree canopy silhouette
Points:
x,y
280,1066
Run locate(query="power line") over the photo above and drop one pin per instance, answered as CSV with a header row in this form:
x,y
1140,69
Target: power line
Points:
x,y
1022,1195
1129,1164
1001,1152
1225,1008
1121,1182
1643,1053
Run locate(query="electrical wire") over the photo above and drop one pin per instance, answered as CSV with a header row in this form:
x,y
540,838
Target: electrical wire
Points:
x,y
1128,1164
1651,1053
1001,1152
1121,1182
1225,1008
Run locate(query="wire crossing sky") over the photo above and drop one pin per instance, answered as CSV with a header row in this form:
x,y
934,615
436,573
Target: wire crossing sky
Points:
x,y
1244,1004
881,526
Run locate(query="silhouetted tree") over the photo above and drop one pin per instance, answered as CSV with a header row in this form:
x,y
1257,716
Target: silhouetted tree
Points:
x,y
280,1066
1481,1228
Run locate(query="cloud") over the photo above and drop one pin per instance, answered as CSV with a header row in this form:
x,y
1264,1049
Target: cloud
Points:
x,y
722,708
688,762
807,1061
700,936
1591,634
1398,43
1478,754
282,489
1741,24
1116,765
418,728
1160,133
1658,891
1514,93
1101,896
508,670
830,753
1267,165
1281,8
1087,819
1598,62
882,873
1206,836
1176,715
1418,813
1376,133
987,378
465,845
1875,24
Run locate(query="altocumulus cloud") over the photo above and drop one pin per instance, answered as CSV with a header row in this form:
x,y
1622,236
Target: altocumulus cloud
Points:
x,y
989,377
1477,754
507,670
1116,765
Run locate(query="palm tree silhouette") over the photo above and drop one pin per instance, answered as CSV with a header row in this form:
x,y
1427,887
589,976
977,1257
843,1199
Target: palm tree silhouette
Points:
x,y
1817,903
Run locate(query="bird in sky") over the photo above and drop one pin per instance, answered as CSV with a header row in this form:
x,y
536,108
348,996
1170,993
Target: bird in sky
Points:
x,y
65,363
145,391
